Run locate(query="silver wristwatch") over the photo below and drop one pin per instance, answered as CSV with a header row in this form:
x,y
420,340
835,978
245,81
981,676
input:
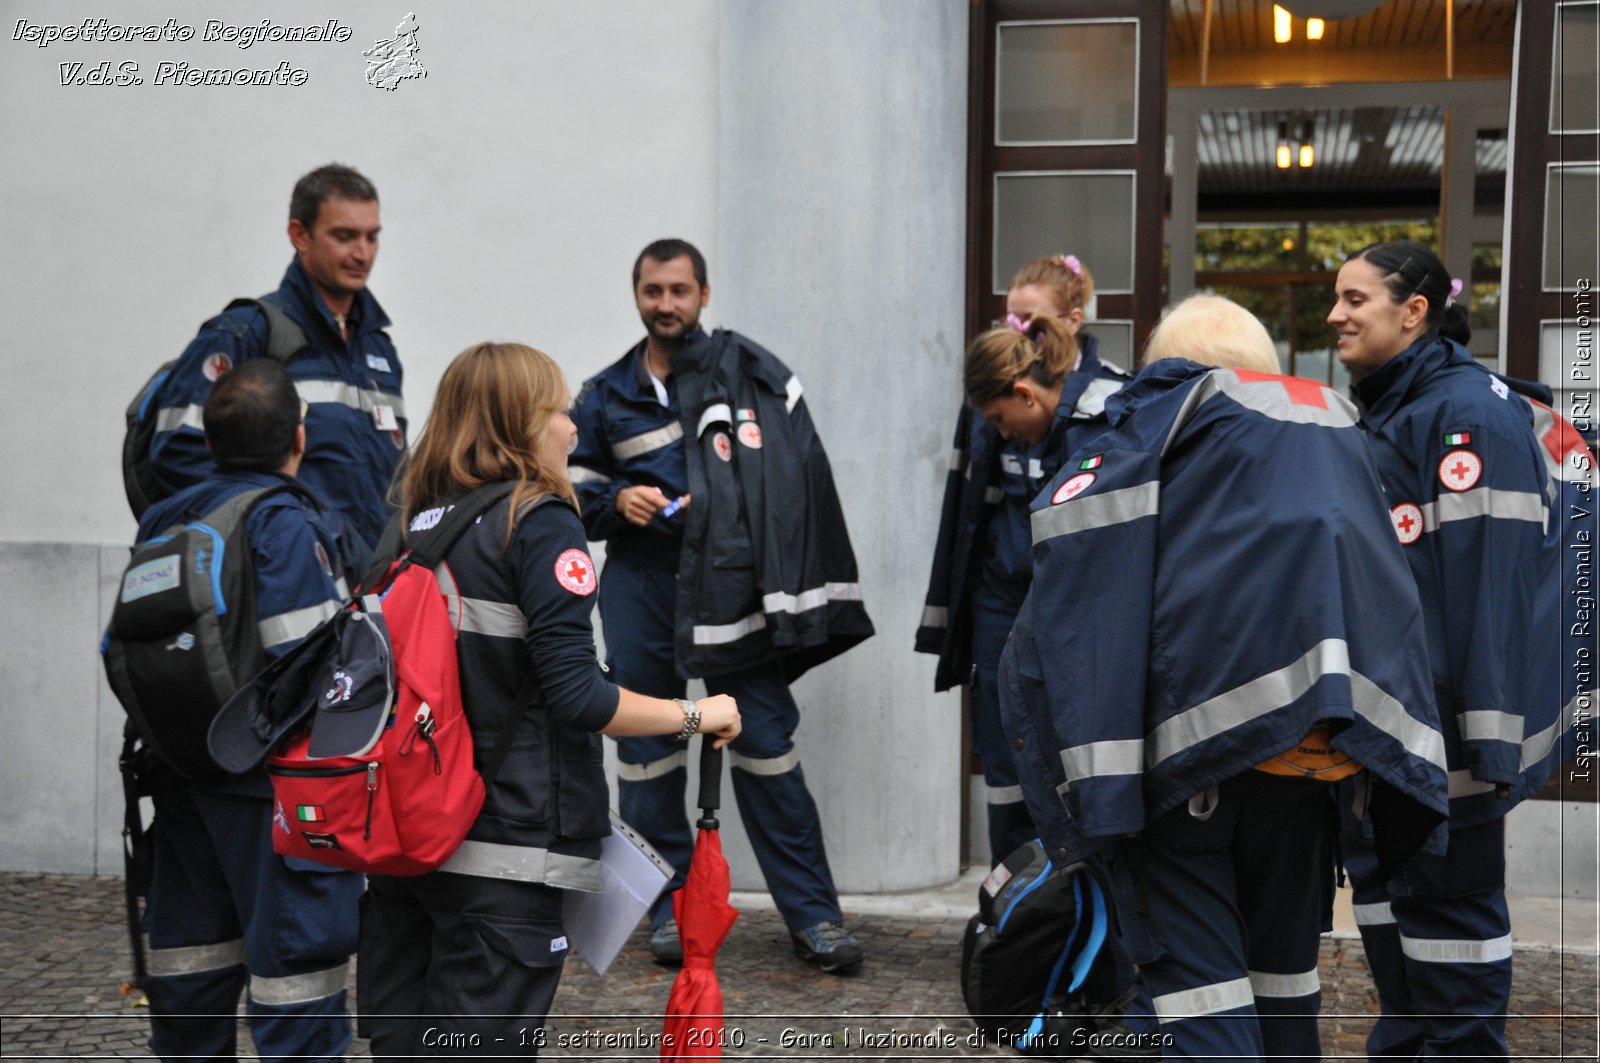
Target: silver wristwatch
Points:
x,y
691,719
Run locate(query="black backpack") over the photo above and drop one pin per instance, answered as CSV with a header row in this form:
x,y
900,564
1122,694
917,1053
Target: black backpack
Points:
x,y
183,634
285,339
1033,962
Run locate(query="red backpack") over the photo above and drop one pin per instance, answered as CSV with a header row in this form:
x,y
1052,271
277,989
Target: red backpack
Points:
x,y
404,805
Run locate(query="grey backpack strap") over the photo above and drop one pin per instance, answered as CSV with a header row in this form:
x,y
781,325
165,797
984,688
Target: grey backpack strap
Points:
x,y
285,339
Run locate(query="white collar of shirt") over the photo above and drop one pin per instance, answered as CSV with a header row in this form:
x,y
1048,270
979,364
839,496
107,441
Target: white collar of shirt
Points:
x,y
655,381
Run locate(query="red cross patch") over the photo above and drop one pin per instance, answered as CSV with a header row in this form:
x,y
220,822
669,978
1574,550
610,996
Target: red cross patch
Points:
x,y
1407,520
1460,469
1072,488
215,365
575,572
1301,392
750,435
723,446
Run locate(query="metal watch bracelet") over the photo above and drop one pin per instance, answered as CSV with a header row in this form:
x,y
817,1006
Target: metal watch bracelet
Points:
x,y
691,719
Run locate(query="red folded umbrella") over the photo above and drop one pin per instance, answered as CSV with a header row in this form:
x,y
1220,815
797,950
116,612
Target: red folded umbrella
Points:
x,y
693,1026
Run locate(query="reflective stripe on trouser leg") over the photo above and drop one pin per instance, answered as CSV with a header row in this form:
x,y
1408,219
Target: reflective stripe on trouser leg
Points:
x,y
777,810
1010,826
1396,1032
1286,894
196,946
651,775
637,606
1455,940
301,924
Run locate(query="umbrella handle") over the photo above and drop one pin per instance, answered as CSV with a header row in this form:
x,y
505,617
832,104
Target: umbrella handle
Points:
x,y
710,783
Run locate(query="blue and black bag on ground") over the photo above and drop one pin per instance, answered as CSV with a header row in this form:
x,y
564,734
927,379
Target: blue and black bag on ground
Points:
x,y
1035,973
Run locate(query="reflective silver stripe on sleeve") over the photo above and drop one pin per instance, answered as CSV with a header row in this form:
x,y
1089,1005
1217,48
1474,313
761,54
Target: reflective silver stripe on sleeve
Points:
x,y
1036,468
718,634
295,624
1484,502
1375,705
1124,757
958,459
525,864
500,619
171,418
992,496
1087,512
1537,746
342,394
655,769
194,959
793,390
1205,1000
816,597
1011,464
935,616
1002,795
1458,950
645,442
715,413
343,588
582,474
298,988
765,765
1372,914
1302,984
1483,725
1268,693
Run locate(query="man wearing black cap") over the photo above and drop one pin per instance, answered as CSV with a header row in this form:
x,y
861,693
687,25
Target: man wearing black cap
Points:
x,y
224,911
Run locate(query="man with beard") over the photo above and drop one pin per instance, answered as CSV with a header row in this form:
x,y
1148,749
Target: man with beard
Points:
x,y
633,470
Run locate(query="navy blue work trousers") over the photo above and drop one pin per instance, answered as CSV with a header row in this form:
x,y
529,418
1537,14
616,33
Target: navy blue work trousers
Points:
x,y
637,605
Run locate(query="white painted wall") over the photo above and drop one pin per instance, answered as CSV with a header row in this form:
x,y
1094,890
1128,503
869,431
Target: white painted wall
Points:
x,y
548,143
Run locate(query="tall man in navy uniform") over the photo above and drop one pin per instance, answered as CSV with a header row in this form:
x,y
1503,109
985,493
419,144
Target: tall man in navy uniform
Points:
x,y
670,584
347,371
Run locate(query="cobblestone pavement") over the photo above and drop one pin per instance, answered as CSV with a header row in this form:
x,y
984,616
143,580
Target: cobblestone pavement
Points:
x,y
63,955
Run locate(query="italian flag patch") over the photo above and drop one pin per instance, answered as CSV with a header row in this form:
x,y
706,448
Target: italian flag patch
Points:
x,y
1458,439
1090,463
309,813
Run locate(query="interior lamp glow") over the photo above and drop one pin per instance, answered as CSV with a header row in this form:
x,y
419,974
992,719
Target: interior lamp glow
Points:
x,y
1281,27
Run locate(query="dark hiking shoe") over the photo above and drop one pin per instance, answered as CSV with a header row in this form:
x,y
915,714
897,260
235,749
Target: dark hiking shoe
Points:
x,y
828,945
665,945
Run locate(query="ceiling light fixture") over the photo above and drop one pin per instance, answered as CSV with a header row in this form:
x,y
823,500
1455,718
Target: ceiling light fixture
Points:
x,y
1282,27
1314,29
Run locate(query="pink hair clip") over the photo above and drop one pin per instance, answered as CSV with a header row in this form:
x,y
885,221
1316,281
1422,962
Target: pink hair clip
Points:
x,y
1072,263
1455,290
1017,323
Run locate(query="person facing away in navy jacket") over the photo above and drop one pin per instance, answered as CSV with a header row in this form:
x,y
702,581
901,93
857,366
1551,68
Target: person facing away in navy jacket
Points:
x,y
1467,488
224,911
631,470
1220,625
1035,391
473,951
348,374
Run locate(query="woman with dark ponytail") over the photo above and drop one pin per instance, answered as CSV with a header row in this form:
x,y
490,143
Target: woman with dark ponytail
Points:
x,y
1466,486
1035,390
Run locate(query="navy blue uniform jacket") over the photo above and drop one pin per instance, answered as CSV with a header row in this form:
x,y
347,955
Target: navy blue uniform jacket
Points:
x,y
1212,577
349,460
765,568
1471,497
